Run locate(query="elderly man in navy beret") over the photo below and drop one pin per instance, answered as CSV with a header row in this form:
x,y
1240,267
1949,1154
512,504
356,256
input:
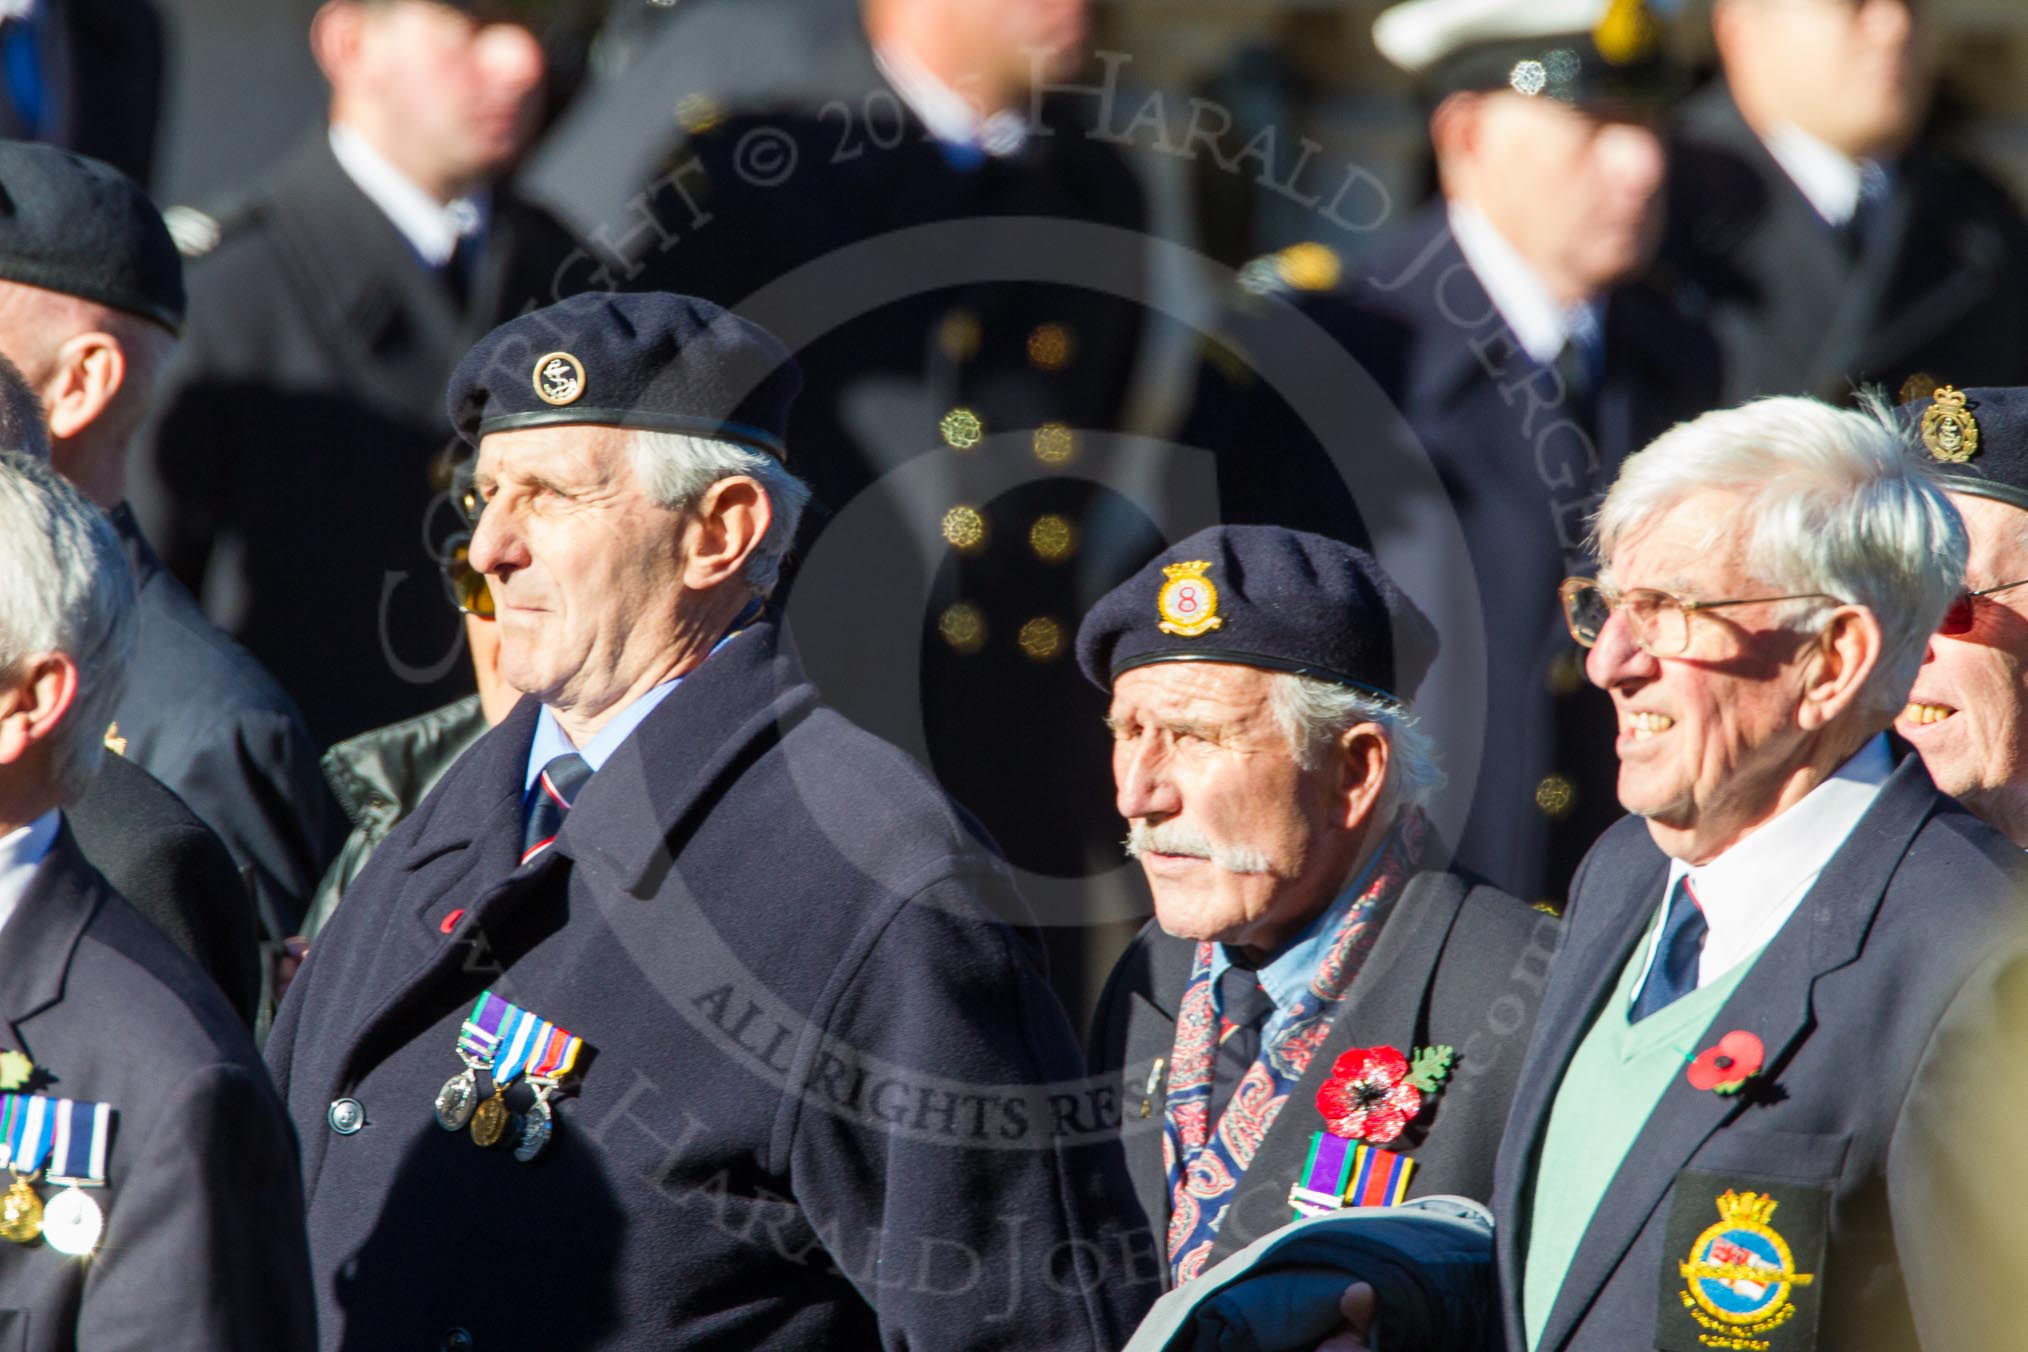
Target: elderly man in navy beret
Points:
x,y
1318,1015
1967,715
677,1015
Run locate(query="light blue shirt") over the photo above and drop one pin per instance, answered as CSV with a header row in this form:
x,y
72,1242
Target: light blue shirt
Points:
x,y
1288,974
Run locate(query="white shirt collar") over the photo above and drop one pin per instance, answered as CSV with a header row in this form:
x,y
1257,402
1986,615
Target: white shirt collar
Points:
x,y
21,852
19,9
432,228
1538,323
1831,180
1749,892
943,110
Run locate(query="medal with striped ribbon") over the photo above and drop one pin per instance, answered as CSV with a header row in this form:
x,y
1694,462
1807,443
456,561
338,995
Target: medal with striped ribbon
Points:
x,y
27,1126
72,1222
478,1039
557,1059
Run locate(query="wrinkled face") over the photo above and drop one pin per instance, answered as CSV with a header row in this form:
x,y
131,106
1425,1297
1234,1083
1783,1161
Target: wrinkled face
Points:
x,y
1598,223
1855,74
1967,715
1238,842
1708,740
586,570
461,91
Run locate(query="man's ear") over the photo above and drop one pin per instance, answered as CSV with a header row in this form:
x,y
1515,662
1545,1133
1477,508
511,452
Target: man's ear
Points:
x,y
335,33
87,375
1362,757
35,702
722,529
1843,658
1454,126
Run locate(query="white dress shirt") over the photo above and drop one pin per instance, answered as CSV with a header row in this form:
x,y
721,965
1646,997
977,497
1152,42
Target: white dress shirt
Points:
x,y
1749,892
1833,182
943,110
1538,323
432,228
21,852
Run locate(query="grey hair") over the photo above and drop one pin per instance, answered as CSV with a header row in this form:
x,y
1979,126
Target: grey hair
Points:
x,y
23,427
1312,712
677,468
1833,501
68,590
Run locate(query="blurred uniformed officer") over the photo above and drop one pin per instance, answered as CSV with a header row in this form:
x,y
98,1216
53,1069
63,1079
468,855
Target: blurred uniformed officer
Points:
x,y
153,1198
91,301
1832,242
289,457
1496,341
676,1015
1967,716
888,207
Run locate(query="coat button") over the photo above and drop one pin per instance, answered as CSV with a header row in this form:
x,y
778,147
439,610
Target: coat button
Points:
x,y
457,1340
346,1116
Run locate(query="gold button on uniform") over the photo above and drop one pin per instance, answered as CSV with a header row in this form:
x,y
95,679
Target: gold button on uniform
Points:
x,y
1555,795
962,429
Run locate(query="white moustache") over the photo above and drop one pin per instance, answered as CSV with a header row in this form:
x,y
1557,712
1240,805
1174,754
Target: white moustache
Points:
x,y
1176,838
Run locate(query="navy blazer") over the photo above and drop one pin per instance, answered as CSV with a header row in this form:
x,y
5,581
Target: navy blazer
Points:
x,y
1874,1003
1455,963
203,1247
829,1101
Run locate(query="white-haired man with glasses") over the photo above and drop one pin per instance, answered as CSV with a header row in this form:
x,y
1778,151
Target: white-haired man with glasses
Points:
x,y
1780,978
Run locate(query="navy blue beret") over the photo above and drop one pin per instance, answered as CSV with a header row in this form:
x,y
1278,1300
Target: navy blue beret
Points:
x,y
650,359
1976,441
1263,596
72,224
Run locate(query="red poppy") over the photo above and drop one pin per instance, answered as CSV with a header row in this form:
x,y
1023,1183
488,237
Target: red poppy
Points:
x,y
1736,1059
1369,1097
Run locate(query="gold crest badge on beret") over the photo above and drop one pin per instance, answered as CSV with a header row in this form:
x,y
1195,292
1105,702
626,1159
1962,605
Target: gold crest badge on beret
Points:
x,y
1949,429
1188,602
558,378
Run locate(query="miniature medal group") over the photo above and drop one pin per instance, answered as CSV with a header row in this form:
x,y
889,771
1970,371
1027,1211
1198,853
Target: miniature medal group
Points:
x,y
504,1043
61,1142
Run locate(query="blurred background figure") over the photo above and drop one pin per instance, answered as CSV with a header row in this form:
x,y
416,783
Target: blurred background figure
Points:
x,y
86,75
290,453
1503,330
1834,240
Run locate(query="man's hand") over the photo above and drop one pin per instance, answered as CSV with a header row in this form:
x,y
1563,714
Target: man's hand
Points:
x,y
1357,1307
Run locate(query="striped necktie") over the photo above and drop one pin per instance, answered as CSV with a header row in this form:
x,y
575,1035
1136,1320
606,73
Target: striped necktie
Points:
x,y
556,788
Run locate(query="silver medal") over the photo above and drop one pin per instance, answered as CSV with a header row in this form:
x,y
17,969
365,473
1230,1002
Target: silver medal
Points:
x,y
536,1127
72,1222
456,1100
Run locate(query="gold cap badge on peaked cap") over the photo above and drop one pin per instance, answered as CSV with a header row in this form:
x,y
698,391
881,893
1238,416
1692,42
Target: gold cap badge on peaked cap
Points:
x,y
1188,602
1949,429
1627,33
558,378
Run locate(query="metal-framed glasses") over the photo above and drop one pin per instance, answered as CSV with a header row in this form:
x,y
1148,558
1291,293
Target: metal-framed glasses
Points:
x,y
1658,621
1958,619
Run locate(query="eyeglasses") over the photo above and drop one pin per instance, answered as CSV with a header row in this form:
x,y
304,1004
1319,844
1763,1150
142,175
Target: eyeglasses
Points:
x,y
468,585
1659,621
1958,619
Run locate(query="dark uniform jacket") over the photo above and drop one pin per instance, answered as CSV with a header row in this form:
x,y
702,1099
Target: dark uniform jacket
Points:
x,y
169,865
1456,963
1398,411
99,72
1875,1005
203,1247
1926,285
286,480
914,286
829,1101
202,716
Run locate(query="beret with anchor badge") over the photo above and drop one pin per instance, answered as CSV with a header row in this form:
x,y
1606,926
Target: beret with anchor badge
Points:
x,y
1975,441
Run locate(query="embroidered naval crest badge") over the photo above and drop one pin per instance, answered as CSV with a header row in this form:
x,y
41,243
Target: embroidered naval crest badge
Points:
x,y
1750,1281
1949,429
558,378
1188,602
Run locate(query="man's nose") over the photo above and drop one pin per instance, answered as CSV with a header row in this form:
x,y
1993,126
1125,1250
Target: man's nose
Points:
x,y
1140,774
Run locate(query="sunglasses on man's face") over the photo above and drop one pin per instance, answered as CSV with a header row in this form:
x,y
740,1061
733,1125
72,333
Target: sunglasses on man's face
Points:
x,y
468,584
1962,613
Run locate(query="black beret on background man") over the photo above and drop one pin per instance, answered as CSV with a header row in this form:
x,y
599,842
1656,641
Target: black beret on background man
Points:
x,y
91,302
822,1098
1272,773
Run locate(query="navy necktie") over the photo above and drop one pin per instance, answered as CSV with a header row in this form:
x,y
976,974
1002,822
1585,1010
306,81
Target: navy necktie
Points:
x,y
556,788
1674,973
1245,1008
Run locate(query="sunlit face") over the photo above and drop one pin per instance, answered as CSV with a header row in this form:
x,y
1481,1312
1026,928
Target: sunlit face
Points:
x,y
585,569
1856,74
1967,714
461,92
1241,845
1597,224
1709,740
